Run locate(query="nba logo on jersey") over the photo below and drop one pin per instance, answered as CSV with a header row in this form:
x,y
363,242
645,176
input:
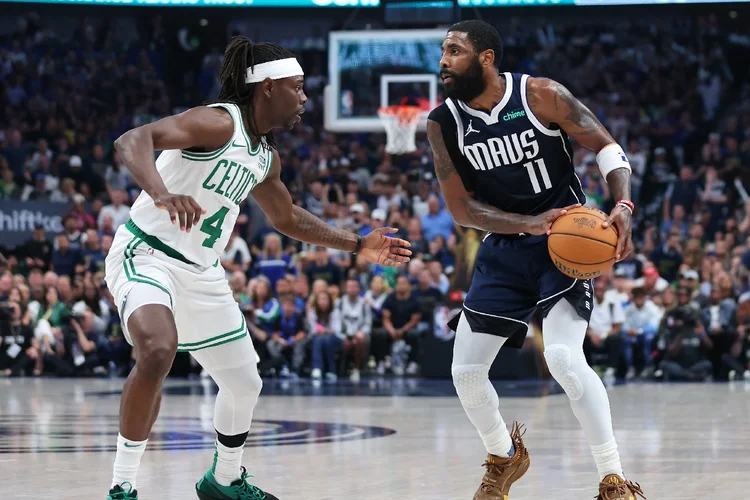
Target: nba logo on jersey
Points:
x,y
150,251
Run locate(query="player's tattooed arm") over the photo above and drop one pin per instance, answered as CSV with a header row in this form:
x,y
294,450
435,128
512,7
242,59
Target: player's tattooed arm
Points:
x,y
466,210
551,103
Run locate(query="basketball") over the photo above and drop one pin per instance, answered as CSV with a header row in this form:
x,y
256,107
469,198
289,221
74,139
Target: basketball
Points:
x,y
579,246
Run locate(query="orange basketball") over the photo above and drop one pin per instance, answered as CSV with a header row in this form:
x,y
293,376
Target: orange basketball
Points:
x,y
579,246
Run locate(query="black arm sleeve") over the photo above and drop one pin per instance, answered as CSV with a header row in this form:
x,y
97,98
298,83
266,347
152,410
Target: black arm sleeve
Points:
x,y
442,116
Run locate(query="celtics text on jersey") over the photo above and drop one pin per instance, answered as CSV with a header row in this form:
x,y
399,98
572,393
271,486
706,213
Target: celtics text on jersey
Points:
x,y
218,181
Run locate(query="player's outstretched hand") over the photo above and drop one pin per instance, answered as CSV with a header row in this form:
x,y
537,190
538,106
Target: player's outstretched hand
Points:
x,y
541,224
379,248
622,219
180,207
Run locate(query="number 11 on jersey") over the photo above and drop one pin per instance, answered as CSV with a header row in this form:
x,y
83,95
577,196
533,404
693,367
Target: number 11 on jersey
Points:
x,y
532,175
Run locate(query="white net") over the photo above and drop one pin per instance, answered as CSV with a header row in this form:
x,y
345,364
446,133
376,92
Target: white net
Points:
x,y
400,123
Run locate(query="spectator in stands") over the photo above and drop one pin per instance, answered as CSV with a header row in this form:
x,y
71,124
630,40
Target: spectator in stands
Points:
x,y
419,245
322,320
620,292
677,221
428,297
714,197
314,200
737,360
266,307
85,220
603,333
682,192
65,193
93,302
651,282
439,280
322,268
116,175
686,357
355,316
66,261
437,222
301,290
377,220
289,338
37,251
19,350
73,233
272,262
401,314
236,255
667,258
642,319
92,253
117,209
718,320
75,349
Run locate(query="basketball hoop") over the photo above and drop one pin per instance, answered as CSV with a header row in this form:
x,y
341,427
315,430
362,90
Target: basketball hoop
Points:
x,y
400,123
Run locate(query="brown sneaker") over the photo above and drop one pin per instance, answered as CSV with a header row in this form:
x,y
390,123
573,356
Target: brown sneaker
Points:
x,y
503,472
613,487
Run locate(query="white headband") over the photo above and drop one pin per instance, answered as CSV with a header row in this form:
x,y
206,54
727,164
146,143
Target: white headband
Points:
x,y
275,70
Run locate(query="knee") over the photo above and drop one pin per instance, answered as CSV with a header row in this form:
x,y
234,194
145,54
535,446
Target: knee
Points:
x,y
155,359
560,362
471,382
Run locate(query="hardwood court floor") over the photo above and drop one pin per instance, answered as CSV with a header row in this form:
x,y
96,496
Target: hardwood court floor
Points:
x,y
378,440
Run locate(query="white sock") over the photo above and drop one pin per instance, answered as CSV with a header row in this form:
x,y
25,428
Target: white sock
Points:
x,y
607,459
498,441
127,460
227,462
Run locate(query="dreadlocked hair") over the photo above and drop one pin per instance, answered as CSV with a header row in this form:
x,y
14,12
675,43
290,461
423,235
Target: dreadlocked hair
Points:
x,y
243,53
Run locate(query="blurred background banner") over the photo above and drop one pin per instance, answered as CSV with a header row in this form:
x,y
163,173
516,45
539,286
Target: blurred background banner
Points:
x,y
19,218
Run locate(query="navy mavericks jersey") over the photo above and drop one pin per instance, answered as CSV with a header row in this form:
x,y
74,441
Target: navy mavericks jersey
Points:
x,y
507,157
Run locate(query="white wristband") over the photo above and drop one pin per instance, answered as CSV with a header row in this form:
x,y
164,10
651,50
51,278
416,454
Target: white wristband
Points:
x,y
610,158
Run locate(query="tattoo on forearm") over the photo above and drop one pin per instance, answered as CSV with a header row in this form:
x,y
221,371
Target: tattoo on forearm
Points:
x,y
486,218
312,230
619,183
578,114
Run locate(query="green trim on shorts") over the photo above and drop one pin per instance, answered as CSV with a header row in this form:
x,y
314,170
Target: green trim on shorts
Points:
x,y
156,243
222,339
132,275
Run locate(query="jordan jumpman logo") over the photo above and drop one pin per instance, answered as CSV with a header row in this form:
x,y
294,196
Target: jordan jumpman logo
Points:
x,y
470,129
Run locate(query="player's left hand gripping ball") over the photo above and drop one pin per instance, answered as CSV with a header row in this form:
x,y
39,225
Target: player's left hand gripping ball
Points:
x,y
621,218
379,248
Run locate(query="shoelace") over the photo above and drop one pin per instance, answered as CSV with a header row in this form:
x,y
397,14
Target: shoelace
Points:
x,y
517,432
123,494
247,491
621,490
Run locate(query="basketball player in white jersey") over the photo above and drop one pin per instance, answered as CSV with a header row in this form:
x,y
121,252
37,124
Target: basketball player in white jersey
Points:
x,y
163,268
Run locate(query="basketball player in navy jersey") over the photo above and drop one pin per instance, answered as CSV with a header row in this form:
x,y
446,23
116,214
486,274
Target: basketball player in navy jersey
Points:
x,y
505,166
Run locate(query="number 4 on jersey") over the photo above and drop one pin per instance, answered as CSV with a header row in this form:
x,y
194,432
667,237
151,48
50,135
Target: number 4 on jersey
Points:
x,y
212,227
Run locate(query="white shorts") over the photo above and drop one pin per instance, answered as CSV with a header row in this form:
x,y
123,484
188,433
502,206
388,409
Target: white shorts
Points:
x,y
204,308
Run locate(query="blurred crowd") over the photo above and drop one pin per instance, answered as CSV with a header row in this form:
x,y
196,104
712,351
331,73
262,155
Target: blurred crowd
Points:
x,y
677,309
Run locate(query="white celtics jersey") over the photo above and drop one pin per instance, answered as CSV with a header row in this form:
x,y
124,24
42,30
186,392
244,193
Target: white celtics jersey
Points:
x,y
219,181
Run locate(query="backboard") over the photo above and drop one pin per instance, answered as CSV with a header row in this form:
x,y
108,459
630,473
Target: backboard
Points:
x,y
370,69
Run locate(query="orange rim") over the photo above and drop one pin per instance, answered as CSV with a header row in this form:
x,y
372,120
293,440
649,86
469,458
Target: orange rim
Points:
x,y
404,114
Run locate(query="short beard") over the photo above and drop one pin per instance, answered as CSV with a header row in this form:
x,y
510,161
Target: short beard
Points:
x,y
468,85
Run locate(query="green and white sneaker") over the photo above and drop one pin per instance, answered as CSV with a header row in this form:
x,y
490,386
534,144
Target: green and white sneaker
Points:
x,y
208,489
122,491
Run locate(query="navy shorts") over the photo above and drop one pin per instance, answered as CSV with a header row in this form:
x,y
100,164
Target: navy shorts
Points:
x,y
514,276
